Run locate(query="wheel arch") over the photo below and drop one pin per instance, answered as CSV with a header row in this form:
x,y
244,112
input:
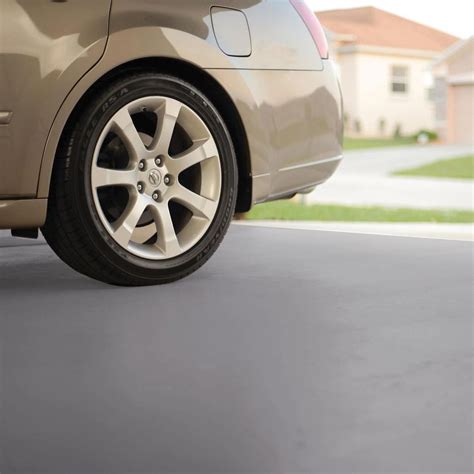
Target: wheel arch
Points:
x,y
197,77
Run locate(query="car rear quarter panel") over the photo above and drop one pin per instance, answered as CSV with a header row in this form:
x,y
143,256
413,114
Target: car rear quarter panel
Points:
x,y
45,48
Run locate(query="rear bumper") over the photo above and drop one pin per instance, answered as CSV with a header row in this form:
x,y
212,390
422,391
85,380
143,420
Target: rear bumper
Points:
x,y
294,125
23,213
312,146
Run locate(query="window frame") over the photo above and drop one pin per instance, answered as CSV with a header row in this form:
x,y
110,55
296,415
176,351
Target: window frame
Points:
x,y
398,79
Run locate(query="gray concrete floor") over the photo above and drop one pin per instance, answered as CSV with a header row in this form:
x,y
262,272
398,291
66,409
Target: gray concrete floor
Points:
x,y
291,351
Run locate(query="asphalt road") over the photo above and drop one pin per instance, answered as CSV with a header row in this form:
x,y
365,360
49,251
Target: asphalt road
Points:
x,y
291,351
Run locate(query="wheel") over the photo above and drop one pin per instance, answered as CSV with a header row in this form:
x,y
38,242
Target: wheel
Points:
x,y
144,183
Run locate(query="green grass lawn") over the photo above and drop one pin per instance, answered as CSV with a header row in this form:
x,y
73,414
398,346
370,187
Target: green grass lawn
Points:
x,y
292,211
364,143
458,168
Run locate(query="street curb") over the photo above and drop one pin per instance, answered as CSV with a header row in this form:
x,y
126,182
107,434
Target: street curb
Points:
x,y
459,232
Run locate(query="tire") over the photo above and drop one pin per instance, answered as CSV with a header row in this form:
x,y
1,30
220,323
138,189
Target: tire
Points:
x,y
186,183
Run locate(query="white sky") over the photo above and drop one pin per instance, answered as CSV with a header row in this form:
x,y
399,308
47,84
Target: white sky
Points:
x,y
453,16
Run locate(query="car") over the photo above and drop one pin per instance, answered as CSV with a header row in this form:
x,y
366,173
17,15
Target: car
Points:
x,y
132,131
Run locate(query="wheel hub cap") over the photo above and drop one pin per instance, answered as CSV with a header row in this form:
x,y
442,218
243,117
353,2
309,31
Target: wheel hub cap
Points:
x,y
154,177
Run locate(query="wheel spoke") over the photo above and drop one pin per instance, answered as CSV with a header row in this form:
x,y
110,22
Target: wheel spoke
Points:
x,y
167,239
125,226
200,151
102,177
168,113
141,235
198,205
124,127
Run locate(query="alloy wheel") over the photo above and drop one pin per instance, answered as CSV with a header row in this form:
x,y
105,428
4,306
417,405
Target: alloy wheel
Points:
x,y
156,178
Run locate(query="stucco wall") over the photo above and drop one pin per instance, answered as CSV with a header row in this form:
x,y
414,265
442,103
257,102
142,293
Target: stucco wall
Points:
x,y
462,63
456,107
366,83
461,120
348,73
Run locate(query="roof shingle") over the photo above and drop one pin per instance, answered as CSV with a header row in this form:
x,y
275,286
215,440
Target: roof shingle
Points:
x,y
374,27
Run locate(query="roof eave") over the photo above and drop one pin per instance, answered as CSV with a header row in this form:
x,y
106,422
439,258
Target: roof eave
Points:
x,y
339,36
453,51
388,51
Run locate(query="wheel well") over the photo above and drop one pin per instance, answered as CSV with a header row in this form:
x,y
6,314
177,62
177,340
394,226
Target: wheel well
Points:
x,y
214,91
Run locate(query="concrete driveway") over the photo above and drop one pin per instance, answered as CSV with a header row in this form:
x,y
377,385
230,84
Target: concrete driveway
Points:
x,y
364,179
385,161
291,351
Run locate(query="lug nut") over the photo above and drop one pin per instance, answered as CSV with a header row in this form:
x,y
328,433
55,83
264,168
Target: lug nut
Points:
x,y
141,165
159,160
156,196
140,187
167,180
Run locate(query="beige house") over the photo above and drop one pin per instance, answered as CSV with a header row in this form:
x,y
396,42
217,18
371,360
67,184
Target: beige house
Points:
x,y
385,66
454,92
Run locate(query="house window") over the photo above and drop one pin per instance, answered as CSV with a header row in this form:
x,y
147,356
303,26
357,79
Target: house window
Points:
x,y
399,79
429,83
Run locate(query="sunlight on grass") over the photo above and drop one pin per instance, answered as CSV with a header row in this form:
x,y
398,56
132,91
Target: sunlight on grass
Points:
x,y
456,168
292,211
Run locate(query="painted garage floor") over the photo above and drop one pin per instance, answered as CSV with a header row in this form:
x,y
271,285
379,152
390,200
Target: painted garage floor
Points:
x,y
291,351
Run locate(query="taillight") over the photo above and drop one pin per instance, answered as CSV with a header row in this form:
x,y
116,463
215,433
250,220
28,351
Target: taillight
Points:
x,y
314,27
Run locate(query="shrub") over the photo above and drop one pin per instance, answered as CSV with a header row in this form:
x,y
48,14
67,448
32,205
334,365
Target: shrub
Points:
x,y
430,134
